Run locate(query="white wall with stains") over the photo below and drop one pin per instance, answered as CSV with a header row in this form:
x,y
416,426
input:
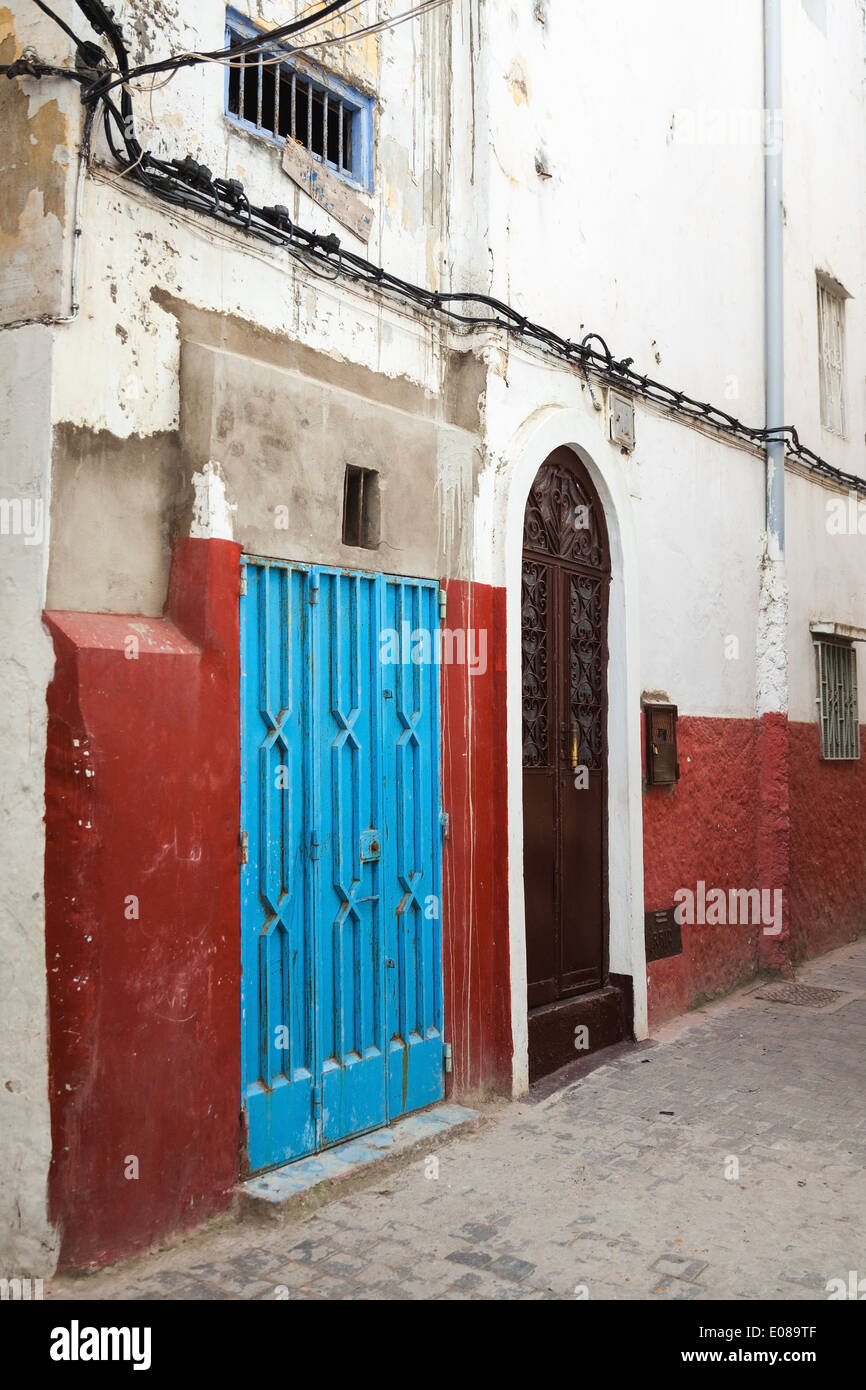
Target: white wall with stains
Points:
x,y
598,166
626,194
133,244
26,1240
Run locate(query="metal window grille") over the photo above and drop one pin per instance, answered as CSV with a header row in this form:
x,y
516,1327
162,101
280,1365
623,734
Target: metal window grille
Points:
x,y
280,100
837,700
831,347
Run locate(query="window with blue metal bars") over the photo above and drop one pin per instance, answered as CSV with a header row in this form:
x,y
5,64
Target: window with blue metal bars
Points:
x,y
286,98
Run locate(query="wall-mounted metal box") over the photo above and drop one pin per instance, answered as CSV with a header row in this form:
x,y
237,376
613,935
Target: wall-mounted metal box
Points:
x,y
662,934
662,768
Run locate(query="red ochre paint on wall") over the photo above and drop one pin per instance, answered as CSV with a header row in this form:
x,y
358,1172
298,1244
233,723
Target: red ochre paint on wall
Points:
x,y
142,801
705,827
475,857
755,806
774,834
828,846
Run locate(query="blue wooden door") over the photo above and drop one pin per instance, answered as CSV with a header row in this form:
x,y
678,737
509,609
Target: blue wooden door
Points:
x,y
340,888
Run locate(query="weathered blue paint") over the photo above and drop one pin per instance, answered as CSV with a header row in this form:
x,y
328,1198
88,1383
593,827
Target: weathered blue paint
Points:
x,y
340,894
359,103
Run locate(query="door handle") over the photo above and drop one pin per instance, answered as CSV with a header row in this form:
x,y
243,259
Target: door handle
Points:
x,y
575,745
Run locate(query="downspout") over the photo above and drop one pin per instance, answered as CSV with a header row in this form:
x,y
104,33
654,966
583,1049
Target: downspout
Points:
x,y
774,277
773,748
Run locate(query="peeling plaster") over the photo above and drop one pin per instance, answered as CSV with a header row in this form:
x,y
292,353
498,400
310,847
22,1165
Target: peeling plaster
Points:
x,y
212,512
772,638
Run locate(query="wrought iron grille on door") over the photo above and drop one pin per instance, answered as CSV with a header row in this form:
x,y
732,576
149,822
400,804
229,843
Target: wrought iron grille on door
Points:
x,y
566,579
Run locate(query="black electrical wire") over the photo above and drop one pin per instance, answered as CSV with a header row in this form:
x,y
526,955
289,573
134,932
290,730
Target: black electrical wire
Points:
x,y
187,184
261,41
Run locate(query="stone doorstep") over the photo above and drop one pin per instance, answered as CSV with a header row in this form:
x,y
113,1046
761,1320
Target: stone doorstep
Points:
x,y
281,1191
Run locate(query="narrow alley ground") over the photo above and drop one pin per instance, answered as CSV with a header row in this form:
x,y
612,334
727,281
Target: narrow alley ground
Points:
x,y
620,1185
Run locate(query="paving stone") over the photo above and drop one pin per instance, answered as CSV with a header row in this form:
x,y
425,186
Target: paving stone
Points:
x,y
255,1261
346,1266
225,1276
476,1259
291,1276
678,1267
194,1292
507,1267
310,1252
675,1289
331,1287
477,1233
164,1280
590,1187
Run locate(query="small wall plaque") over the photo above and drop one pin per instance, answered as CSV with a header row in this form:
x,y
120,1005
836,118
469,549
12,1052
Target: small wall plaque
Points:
x,y
622,420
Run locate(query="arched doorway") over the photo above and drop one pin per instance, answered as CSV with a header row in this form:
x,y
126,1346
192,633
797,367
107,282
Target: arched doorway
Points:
x,y
573,1006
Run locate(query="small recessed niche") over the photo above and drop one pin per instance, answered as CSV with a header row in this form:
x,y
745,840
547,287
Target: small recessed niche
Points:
x,y
361,510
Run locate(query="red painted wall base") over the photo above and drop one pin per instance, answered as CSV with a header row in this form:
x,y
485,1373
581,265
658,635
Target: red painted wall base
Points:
x,y
755,807
475,861
142,888
828,846
142,915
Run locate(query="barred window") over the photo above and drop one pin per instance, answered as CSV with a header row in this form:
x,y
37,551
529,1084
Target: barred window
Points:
x,y
838,708
831,350
280,98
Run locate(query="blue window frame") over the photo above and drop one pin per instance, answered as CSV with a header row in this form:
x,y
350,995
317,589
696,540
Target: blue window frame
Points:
x,y
295,98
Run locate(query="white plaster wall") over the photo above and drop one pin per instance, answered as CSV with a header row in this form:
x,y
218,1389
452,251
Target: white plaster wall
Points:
x,y
131,343
699,513
132,243
26,1240
649,230
829,586
37,259
825,212
643,231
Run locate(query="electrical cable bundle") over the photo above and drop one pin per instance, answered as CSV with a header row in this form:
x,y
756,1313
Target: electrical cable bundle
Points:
x,y
190,185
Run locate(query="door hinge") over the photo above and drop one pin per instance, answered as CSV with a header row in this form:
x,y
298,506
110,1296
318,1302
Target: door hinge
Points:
x,y
317,1101
243,587
446,1057
244,847
443,600
313,596
315,848
444,823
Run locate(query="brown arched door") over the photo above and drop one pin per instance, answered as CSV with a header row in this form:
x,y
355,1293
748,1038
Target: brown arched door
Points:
x,y
566,579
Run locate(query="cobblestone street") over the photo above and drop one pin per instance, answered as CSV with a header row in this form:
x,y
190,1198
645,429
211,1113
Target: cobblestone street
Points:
x,y
722,1160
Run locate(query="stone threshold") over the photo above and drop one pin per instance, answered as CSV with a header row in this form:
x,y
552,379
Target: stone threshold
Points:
x,y
280,1190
